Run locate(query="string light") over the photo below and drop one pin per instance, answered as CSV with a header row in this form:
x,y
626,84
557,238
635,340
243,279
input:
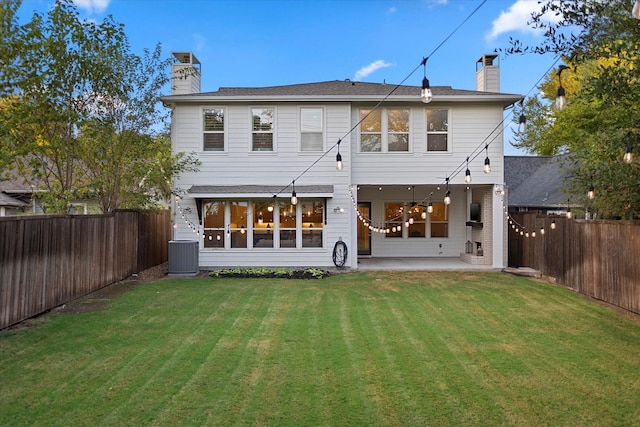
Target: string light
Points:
x,y
339,157
561,100
628,154
294,198
553,224
487,162
426,95
592,192
467,173
569,214
447,195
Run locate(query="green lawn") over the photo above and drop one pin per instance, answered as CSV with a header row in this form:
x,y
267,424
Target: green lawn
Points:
x,y
365,349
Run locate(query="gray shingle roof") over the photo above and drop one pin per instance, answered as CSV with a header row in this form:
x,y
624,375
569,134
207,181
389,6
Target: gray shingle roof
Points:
x,y
535,181
339,88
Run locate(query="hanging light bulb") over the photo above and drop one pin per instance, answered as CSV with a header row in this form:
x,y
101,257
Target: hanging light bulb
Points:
x,y
467,174
339,157
242,230
260,218
294,198
522,123
569,214
635,12
218,237
533,233
423,215
561,99
553,224
411,219
447,197
628,154
487,162
542,231
426,95
591,193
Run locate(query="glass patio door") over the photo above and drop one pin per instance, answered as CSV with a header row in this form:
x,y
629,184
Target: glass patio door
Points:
x,y
364,234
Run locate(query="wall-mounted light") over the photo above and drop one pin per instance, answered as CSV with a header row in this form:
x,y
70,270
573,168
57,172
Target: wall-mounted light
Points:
x,y
338,209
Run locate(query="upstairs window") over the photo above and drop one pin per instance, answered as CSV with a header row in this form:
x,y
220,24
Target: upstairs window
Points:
x,y
437,130
262,133
384,130
398,129
311,129
213,129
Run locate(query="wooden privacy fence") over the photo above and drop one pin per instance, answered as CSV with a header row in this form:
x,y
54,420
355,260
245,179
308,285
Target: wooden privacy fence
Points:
x,y
46,261
600,259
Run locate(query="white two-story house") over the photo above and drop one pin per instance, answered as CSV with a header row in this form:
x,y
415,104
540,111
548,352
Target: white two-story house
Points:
x,y
400,159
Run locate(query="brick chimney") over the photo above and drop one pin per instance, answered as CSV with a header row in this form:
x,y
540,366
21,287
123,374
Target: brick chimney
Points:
x,y
488,74
185,74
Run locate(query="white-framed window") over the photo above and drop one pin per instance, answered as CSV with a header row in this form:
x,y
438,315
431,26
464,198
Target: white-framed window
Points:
x,y
311,129
213,129
263,224
312,223
262,119
440,220
385,130
214,224
437,130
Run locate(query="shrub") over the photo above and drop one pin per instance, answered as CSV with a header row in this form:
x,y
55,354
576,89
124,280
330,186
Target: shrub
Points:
x,y
284,273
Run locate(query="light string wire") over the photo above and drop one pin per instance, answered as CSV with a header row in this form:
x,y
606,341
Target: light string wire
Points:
x,y
354,127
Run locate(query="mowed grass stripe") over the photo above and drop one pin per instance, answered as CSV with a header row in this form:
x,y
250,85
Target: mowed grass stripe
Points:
x,y
354,349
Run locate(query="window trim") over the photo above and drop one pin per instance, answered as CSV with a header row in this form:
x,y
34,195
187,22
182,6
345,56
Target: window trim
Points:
x,y
447,133
272,132
384,130
224,131
322,130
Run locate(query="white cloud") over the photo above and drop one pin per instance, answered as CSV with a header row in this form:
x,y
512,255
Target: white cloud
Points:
x,y
92,6
516,18
200,41
368,69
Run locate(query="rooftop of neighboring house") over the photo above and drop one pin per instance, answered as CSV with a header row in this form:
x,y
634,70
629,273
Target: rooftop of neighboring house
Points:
x,y
536,181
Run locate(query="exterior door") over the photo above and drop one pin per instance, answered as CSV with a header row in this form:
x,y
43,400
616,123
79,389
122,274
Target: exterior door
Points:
x,y
364,234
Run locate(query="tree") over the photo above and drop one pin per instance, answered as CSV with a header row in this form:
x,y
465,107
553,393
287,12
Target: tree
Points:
x,y
88,121
599,41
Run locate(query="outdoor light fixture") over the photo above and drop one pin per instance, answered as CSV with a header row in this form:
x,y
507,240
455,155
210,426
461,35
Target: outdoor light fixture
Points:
x,y
561,100
542,231
260,218
553,224
591,193
628,154
339,157
447,195
426,93
411,220
569,214
467,174
522,123
430,205
294,198
487,162
423,215
636,9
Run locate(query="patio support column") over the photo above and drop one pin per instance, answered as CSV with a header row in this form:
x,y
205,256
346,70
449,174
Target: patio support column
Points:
x,y
498,230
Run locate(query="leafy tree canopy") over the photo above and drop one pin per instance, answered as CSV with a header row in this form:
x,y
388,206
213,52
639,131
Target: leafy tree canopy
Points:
x,y
599,43
80,116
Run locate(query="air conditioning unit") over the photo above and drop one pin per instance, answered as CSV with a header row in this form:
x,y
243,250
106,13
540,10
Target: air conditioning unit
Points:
x,y
183,258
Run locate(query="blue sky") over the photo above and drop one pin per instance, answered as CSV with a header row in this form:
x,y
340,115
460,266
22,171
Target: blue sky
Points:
x,y
278,42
